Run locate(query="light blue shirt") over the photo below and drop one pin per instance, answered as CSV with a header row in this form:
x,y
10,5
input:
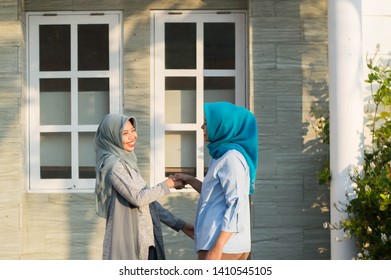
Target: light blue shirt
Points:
x,y
224,204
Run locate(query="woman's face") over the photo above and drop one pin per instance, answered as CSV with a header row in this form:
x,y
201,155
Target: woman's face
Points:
x,y
206,139
129,137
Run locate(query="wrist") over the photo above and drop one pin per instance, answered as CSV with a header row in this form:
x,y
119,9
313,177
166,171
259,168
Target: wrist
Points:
x,y
189,180
170,183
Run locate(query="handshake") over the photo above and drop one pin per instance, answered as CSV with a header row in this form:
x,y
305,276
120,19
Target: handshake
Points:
x,y
180,180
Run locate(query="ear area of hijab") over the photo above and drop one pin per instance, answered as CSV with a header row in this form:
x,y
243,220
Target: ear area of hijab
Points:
x,y
133,121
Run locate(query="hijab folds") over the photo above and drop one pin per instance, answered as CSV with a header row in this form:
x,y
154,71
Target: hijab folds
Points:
x,y
109,150
232,127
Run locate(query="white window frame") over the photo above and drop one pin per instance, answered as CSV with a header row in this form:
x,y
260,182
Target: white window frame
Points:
x,y
34,19
158,74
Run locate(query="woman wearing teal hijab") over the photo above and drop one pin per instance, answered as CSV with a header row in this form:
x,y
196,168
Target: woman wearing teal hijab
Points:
x,y
222,225
133,229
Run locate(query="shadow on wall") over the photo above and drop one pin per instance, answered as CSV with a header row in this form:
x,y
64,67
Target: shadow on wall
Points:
x,y
183,205
290,78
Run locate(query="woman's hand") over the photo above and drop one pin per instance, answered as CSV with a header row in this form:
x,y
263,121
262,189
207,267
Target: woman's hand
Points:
x,y
183,178
170,183
188,229
175,183
186,179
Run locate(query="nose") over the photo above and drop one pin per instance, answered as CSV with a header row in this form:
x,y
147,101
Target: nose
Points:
x,y
132,136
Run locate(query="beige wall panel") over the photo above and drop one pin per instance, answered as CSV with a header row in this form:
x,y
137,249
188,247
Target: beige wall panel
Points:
x,y
265,8
98,5
281,190
9,59
276,29
311,27
10,217
311,8
10,33
316,244
277,244
9,160
9,111
52,5
11,175
266,155
196,4
11,84
8,10
264,56
302,56
10,136
44,5
277,86
67,228
288,8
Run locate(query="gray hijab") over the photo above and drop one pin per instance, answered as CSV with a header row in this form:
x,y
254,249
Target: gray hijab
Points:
x,y
108,151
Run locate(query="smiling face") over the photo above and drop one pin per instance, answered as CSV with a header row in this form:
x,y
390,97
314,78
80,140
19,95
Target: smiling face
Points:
x,y
129,137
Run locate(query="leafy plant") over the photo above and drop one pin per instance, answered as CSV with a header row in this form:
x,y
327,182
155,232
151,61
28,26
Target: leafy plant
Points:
x,y
321,125
368,208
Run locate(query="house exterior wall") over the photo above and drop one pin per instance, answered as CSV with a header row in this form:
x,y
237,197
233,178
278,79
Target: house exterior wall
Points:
x,y
11,131
287,76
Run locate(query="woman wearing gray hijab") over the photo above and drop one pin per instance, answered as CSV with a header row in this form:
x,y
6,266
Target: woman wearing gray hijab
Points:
x,y
133,215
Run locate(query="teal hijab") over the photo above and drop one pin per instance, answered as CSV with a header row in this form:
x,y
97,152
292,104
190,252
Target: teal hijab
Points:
x,y
108,151
232,127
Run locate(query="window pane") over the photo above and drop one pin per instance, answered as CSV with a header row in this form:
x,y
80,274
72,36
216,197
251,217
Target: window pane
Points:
x,y
180,100
180,45
219,89
86,155
93,46
180,152
55,101
54,47
219,46
93,100
55,155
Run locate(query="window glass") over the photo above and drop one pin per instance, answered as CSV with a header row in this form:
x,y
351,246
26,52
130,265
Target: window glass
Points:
x,y
55,101
93,46
93,99
180,45
86,155
219,46
54,47
219,89
55,155
180,152
180,100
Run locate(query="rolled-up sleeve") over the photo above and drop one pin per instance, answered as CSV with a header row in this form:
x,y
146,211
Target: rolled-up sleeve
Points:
x,y
231,179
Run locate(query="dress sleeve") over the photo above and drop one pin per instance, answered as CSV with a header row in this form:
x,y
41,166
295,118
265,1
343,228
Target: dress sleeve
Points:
x,y
232,175
168,218
130,185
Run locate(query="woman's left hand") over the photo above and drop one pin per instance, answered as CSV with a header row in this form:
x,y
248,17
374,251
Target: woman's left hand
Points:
x,y
188,229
